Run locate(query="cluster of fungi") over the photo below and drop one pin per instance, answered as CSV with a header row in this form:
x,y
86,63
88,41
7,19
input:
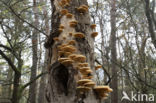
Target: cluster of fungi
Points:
x,y
68,54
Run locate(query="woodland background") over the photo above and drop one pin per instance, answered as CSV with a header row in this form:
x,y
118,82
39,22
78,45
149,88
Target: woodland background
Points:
x,y
25,24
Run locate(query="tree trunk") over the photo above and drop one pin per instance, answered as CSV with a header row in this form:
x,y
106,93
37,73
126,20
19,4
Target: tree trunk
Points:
x,y
114,82
62,80
41,95
32,89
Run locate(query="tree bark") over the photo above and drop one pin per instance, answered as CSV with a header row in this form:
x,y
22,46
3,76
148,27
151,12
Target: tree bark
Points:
x,y
61,87
32,89
114,82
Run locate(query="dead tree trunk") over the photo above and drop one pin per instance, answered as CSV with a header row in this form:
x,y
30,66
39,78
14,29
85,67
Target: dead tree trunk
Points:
x,y
70,29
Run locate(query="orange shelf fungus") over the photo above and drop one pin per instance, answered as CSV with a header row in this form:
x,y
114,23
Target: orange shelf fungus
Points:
x,y
70,34
80,58
69,15
103,89
82,9
73,23
60,30
79,35
69,48
98,67
64,11
89,84
83,89
93,26
63,59
67,54
83,64
64,38
71,42
67,62
61,26
94,34
83,81
72,56
56,39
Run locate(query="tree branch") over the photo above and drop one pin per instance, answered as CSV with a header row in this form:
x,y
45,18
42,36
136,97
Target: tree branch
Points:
x,y
9,62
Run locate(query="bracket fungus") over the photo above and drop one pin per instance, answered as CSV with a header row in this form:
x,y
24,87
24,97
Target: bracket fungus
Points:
x,y
93,26
98,67
67,62
79,35
64,11
83,89
67,54
63,59
83,64
68,48
89,84
60,30
82,9
73,23
69,15
94,34
72,56
79,58
70,34
61,26
71,42
56,39
83,81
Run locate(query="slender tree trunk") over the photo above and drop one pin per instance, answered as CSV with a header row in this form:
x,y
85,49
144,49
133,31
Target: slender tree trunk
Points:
x,y
61,87
32,89
114,82
41,95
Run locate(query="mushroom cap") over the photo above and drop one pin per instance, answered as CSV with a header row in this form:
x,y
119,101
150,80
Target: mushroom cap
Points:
x,y
79,35
63,59
60,30
82,64
93,26
83,88
89,84
61,26
94,34
69,48
101,88
73,23
56,39
64,11
80,58
110,90
82,9
83,81
71,42
83,69
67,62
72,56
69,15
85,6
98,67
67,53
